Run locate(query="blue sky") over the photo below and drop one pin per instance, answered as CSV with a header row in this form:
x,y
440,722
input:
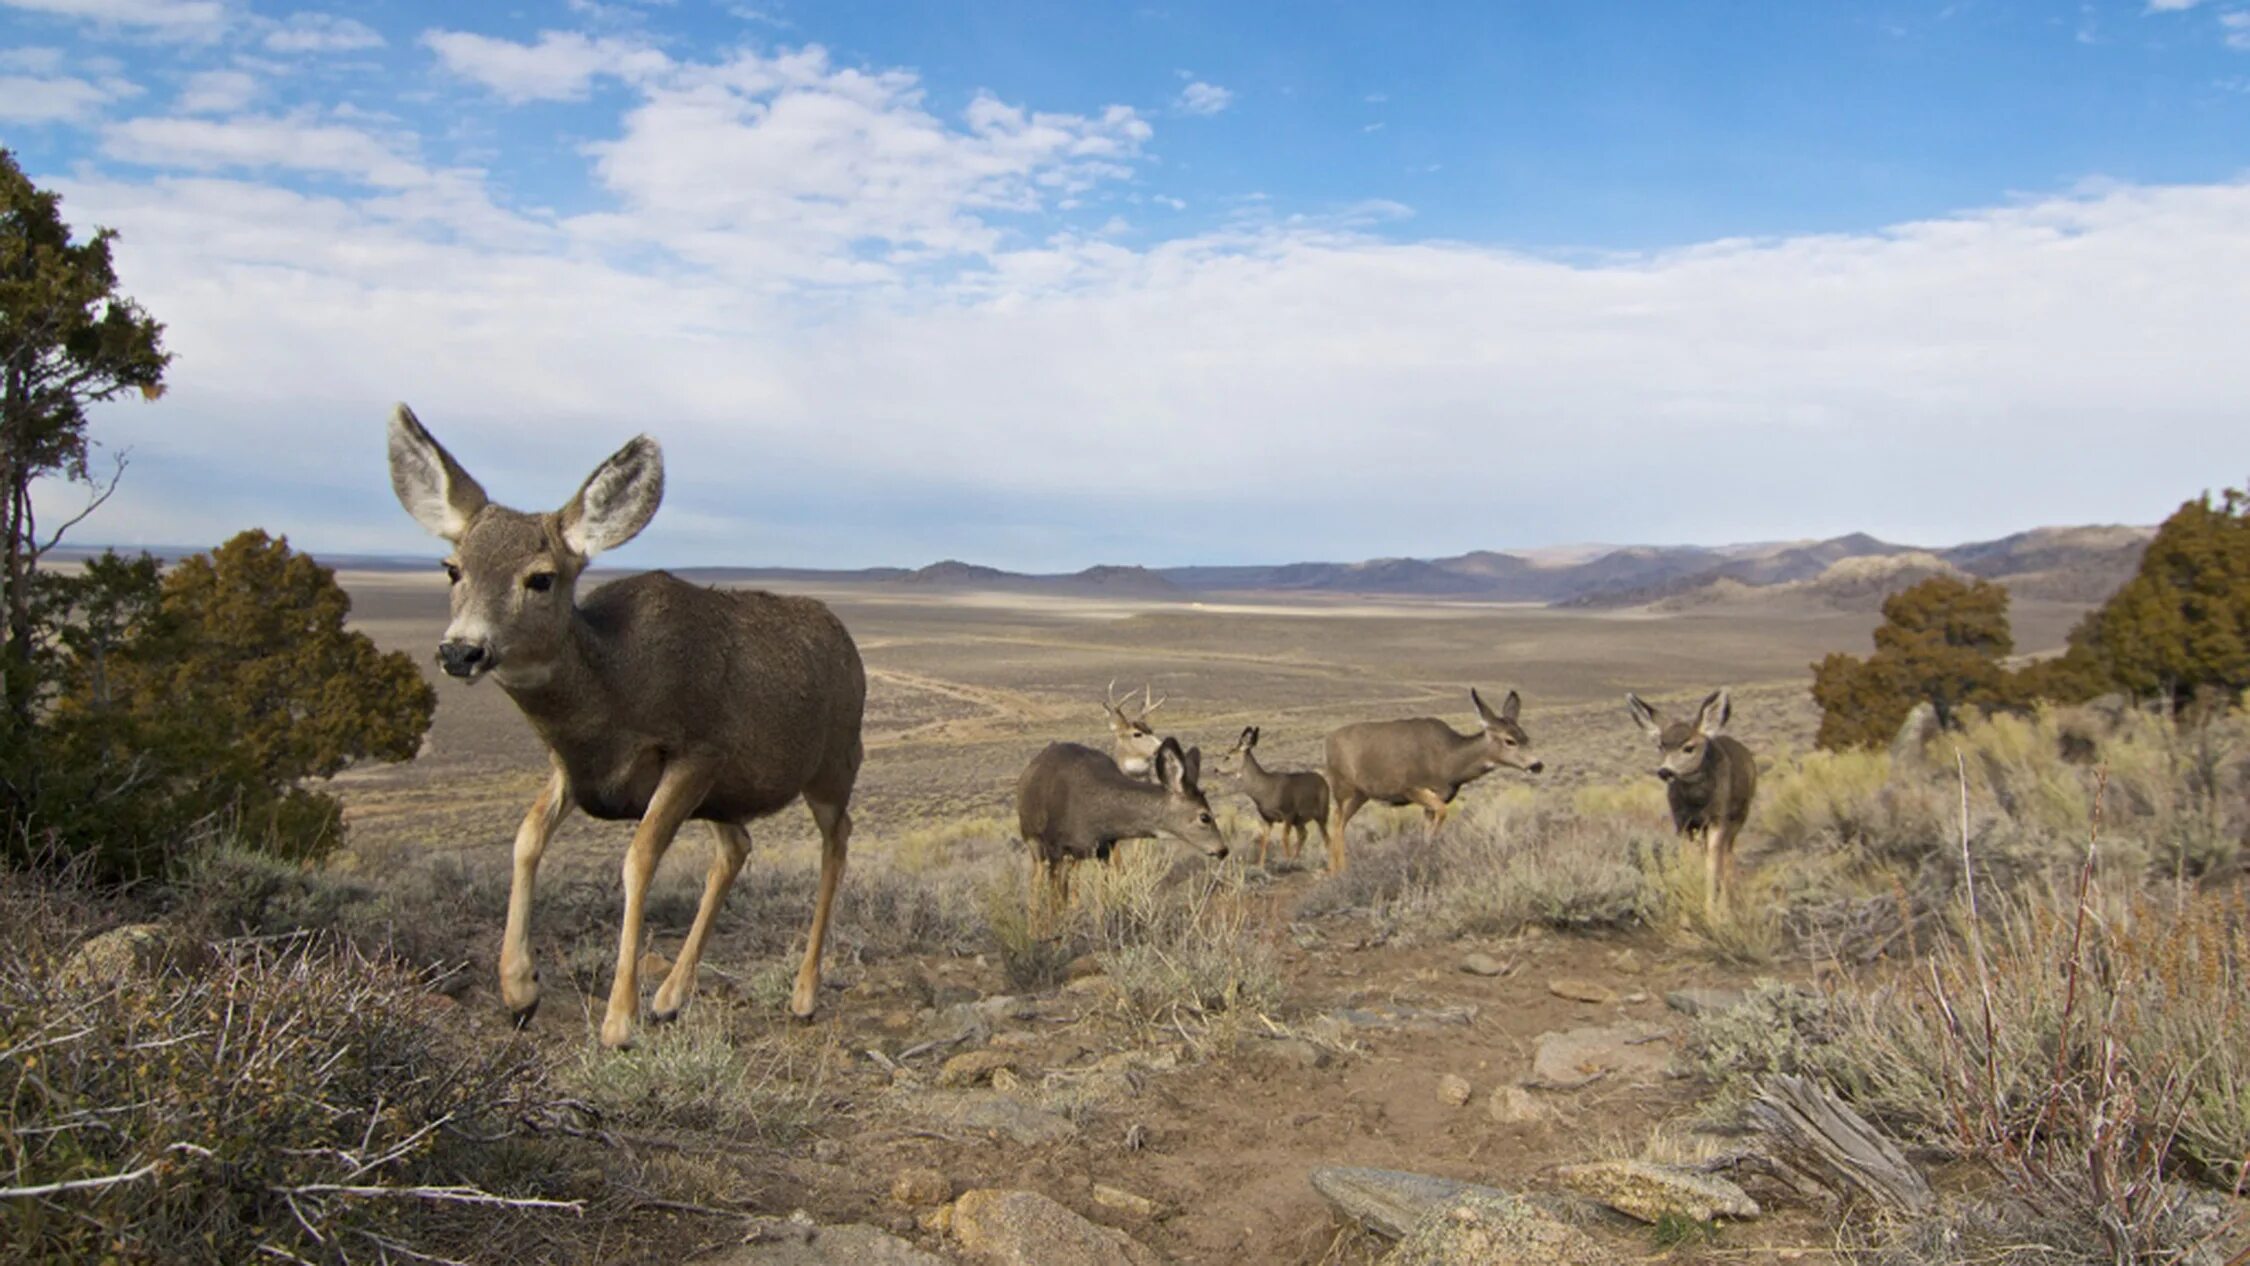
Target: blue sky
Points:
x,y
1047,285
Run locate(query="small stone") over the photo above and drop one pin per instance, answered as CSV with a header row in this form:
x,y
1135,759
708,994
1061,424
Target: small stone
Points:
x,y
1024,1228
1086,984
106,960
1483,964
1582,991
1635,998
1576,1057
970,1068
1514,1105
1294,1051
1454,1091
921,1186
1085,965
1701,1001
1626,962
1006,1081
654,966
983,1112
1494,1230
1652,1193
1004,1006
1124,1201
1015,1040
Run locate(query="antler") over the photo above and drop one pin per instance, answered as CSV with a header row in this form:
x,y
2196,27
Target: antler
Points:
x,y
1146,706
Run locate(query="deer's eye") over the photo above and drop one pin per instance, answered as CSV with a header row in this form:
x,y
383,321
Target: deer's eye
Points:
x,y
453,573
1203,818
539,581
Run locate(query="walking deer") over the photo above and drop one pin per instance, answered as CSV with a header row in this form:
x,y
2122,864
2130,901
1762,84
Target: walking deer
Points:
x,y
658,700
1709,778
1290,800
1073,802
1136,740
1421,760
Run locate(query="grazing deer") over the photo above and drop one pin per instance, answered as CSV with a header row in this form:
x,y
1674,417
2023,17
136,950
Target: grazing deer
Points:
x,y
1290,800
1073,803
1709,778
1421,760
658,700
1137,741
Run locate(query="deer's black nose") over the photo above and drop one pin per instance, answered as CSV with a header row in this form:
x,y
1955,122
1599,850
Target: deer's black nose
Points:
x,y
460,658
1665,775
1537,767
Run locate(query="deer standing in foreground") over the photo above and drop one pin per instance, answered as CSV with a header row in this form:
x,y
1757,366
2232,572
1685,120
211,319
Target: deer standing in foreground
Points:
x,y
1709,778
1136,739
1293,800
1073,802
658,700
1421,760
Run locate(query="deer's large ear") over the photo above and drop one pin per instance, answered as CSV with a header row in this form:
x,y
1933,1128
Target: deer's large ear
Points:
x,y
1508,708
429,483
1717,711
1191,770
1645,715
1171,767
618,499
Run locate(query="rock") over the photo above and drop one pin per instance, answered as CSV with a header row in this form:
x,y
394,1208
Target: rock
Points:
x,y
1650,1193
1626,962
1700,1001
919,1186
1388,1201
1582,991
1634,999
827,1151
1479,1229
1016,1040
1454,1091
774,1242
971,1067
1024,1228
1570,1059
1294,1051
1002,1007
1006,1081
984,1112
1124,1201
1482,964
654,966
103,961
1084,966
1514,1105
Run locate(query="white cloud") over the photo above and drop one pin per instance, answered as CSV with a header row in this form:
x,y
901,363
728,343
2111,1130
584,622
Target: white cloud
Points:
x,y
787,166
179,18
2171,6
561,66
2236,29
308,32
31,59
49,99
217,92
1204,98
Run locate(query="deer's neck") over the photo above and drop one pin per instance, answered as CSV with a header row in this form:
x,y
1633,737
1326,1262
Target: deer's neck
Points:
x,y
1254,775
564,695
1466,757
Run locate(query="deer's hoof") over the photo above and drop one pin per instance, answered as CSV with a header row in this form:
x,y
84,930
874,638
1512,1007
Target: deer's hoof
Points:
x,y
521,1016
663,1017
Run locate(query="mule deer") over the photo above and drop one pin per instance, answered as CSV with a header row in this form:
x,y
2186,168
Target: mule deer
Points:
x,y
1290,800
1136,740
1421,760
658,700
1709,778
1072,803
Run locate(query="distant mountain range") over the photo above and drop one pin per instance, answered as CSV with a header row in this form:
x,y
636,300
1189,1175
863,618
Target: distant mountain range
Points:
x,y
2072,564
2069,564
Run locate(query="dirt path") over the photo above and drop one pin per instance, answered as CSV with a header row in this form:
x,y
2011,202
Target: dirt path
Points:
x,y
1222,1140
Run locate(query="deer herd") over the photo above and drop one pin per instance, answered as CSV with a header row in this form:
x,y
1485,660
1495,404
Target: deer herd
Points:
x,y
663,702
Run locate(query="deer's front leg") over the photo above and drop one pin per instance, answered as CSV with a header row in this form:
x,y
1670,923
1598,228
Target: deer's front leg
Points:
x,y
519,975
678,792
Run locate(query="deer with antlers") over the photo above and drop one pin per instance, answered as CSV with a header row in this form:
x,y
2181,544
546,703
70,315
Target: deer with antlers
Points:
x,y
1136,740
